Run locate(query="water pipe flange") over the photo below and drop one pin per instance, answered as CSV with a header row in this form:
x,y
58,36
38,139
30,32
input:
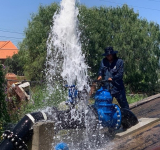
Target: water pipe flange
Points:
x,y
119,116
18,143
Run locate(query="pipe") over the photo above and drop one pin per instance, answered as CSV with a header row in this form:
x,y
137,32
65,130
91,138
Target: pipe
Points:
x,y
15,140
128,118
67,121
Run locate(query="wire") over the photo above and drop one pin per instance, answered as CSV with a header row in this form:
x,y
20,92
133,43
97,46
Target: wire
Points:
x,y
131,5
13,38
10,31
10,37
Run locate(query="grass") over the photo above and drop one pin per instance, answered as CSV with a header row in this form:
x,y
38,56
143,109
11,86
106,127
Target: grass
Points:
x,y
132,98
135,98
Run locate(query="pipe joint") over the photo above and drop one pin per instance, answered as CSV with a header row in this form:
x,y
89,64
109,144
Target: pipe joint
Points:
x,y
18,143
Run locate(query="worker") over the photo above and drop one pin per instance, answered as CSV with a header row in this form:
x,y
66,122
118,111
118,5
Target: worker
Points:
x,y
111,69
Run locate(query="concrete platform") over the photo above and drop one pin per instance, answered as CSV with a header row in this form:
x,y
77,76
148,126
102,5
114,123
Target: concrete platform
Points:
x,y
143,122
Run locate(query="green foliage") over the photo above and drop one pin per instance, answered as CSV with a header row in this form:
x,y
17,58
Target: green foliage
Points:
x,y
135,98
136,40
14,64
1,131
33,47
4,117
40,100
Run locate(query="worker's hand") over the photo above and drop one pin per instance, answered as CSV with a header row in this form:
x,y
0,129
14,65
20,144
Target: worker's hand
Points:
x,y
109,79
99,78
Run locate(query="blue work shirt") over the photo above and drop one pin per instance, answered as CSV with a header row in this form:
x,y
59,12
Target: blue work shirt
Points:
x,y
112,70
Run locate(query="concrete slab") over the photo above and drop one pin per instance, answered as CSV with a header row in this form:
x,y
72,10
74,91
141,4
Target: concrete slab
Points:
x,y
43,135
143,122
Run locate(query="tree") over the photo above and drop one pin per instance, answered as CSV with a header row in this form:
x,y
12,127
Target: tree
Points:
x,y
14,64
136,40
4,117
33,47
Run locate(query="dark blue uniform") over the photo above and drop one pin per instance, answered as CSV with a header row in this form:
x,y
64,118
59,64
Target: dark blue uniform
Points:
x,y
114,70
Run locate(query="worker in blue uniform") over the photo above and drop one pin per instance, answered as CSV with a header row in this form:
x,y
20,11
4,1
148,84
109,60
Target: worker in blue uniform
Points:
x,y
111,69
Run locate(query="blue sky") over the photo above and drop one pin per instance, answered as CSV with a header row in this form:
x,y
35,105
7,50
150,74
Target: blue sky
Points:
x,y
14,14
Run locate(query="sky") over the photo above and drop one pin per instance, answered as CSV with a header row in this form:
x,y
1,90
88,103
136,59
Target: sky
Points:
x,y
15,14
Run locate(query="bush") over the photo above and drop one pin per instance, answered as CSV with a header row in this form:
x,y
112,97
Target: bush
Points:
x,y
40,99
4,116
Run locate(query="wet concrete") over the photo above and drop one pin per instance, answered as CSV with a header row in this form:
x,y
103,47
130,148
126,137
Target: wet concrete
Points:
x,y
147,138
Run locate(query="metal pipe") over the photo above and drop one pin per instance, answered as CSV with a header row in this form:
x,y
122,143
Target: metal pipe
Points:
x,y
15,140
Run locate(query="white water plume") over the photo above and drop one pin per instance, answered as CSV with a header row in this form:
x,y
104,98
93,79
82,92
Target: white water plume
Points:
x,y
64,55
66,63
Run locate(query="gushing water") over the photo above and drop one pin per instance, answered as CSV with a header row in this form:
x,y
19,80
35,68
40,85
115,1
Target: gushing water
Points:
x,y
66,64
65,60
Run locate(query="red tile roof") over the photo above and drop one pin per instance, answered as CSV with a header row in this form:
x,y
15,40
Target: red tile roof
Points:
x,y
7,49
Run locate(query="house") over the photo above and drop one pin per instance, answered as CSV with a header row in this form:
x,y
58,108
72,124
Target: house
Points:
x,y
7,49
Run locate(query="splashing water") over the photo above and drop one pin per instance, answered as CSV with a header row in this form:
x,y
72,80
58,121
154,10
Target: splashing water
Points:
x,y
66,64
65,60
